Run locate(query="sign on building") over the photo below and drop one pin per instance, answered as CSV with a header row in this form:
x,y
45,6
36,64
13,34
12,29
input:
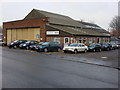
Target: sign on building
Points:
x,y
52,32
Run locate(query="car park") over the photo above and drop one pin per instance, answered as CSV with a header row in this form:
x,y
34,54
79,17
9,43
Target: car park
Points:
x,y
106,46
95,47
48,46
32,47
16,43
27,44
75,48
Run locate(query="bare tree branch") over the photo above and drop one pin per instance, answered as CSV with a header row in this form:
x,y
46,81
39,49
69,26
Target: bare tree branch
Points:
x,y
115,23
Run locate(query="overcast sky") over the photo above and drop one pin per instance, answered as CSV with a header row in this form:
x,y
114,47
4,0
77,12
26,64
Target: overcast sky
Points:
x,y
100,13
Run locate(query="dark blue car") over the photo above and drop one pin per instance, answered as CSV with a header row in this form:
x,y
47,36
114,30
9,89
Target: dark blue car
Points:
x,y
106,46
27,44
32,47
95,47
16,43
48,46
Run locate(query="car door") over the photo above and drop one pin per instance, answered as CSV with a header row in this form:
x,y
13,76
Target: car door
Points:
x,y
82,47
51,46
56,46
97,47
79,47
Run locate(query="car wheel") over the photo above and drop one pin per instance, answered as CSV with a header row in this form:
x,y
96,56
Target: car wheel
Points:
x,y
107,49
93,50
45,50
9,47
58,49
100,50
85,51
75,51
111,48
15,46
27,48
65,51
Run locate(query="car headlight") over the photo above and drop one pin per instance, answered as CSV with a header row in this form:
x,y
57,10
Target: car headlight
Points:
x,y
11,43
41,47
90,47
34,46
24,44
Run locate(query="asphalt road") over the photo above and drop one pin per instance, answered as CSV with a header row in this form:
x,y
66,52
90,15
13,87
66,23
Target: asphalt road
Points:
x,y
104,58
24,69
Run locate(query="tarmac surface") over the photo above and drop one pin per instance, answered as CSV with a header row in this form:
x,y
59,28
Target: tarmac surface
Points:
x,y
29,69
104,58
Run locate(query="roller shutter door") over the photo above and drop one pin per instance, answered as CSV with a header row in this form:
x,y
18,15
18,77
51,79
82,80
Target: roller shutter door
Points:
x,y
30,34
23,34
36,32
13,32
19,34
9,36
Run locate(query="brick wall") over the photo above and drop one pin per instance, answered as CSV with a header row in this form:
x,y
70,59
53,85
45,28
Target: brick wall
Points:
x,y
26,23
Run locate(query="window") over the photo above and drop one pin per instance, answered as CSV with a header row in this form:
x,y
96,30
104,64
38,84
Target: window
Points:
x,y
103,40
94,40
56,39
83,45
73,44
80,40
56,43
84,40
90,41
98,40
66,40
52,43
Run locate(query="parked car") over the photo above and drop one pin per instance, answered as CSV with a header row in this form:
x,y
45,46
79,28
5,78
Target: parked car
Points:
x,y
48,46
106,46
27,44
114,45
16,43
75,48
32,47
118,45
95,47
2,43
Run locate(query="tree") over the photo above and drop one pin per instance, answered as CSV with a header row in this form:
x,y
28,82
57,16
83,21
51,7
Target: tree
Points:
x,y
115,23
0,29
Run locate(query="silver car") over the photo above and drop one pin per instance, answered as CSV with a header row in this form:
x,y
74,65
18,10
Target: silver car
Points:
x,y
75,48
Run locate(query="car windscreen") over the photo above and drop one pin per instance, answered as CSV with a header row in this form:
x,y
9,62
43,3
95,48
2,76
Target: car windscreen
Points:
x,y
27,42
105,44
40,43
16,41
113,43
92,45
73,44
45,43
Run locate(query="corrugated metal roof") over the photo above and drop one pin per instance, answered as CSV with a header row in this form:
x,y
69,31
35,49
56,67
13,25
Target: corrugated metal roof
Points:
x,y
66,21
53,18
77,31
93,26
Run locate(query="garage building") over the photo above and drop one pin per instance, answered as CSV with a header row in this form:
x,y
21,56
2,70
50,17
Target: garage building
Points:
x,y
46,26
